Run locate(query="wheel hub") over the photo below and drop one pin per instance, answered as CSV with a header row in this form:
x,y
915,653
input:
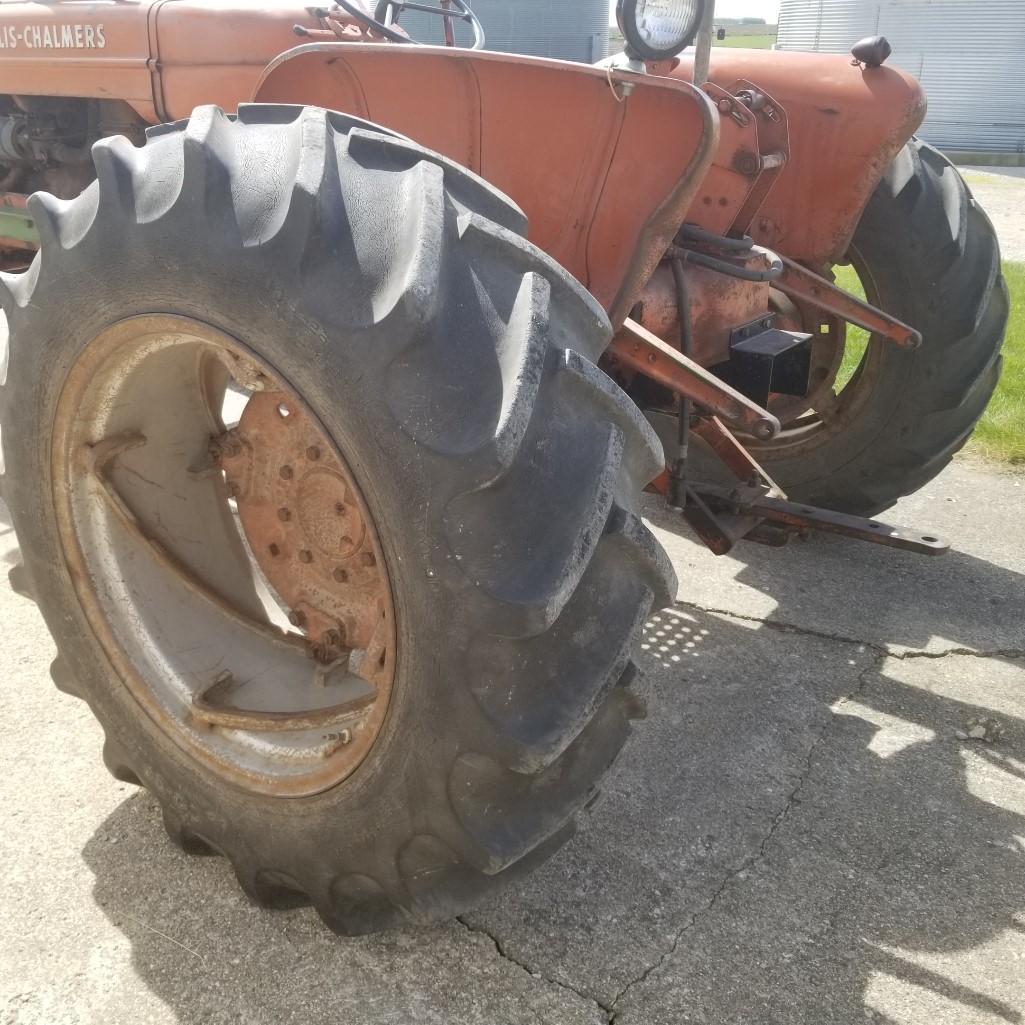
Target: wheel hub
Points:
x,y
232,574
303,519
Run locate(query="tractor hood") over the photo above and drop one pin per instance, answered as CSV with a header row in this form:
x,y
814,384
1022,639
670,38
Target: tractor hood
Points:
x,y
163,57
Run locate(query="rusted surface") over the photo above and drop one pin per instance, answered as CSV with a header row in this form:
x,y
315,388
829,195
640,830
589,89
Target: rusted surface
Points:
x,y
734,169
211,707
773,149
733,454
846,124
167,580
639,350
602,213
748,500
303,517
801,284
718,304
756,508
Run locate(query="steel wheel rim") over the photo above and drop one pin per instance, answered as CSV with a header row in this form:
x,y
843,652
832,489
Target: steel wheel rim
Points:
x,y
170,584
812,427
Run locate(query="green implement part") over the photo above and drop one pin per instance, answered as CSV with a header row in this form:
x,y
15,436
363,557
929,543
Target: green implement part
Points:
x,y
15,223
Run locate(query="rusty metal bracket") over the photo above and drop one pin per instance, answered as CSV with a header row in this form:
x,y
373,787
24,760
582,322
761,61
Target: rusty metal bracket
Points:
x,y
640,350
756,508
773,148
756,501
207,707
800,283
737,459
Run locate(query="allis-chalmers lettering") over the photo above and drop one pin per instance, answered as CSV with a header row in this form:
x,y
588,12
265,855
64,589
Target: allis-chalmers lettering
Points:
x,y
53,37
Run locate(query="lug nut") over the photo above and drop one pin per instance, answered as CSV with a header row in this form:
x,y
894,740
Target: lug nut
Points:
x,y
286,472
367,558
297,617
284,514
340,575
306,556
274,551
313,453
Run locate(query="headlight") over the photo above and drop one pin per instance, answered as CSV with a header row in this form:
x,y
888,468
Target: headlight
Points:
x,y
658,29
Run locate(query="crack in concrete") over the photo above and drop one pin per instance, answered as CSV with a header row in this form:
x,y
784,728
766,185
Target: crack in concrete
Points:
x,y
762,851
794,628
612,1011
535,973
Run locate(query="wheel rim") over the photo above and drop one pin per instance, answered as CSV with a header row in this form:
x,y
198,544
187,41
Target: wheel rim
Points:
x,y
825,413
233,575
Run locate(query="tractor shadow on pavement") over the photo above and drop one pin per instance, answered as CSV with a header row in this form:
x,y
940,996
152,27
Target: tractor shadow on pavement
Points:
x,y
796,834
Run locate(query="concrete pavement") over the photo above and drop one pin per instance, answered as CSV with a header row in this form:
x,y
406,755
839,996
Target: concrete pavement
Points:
x,y
1001,192
798,833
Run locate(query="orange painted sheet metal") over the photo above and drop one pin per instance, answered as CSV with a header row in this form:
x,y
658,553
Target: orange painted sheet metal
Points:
x,y
214,51
846,125
99,49
604,181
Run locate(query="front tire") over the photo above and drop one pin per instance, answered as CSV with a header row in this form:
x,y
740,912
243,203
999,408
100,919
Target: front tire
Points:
x,y
927,254
452,363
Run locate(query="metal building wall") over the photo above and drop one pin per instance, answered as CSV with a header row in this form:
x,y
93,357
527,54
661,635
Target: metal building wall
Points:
x,y
968,54
576,30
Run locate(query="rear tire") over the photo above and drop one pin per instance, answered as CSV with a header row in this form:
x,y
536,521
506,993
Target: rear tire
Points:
x,y
927,254
453,361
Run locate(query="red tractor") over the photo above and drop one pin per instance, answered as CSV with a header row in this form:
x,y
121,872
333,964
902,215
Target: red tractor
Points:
x,y
336,372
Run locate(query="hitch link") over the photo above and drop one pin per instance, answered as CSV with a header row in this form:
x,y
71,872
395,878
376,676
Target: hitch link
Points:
x,y
640,350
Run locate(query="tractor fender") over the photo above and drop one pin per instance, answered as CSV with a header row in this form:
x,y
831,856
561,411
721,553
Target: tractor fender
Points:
x,y
604,174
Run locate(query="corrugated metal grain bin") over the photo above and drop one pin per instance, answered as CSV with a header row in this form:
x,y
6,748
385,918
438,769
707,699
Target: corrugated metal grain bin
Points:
x,y
576,30
968,54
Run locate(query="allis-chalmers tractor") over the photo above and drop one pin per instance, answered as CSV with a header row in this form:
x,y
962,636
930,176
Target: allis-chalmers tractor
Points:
x,y
343,362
